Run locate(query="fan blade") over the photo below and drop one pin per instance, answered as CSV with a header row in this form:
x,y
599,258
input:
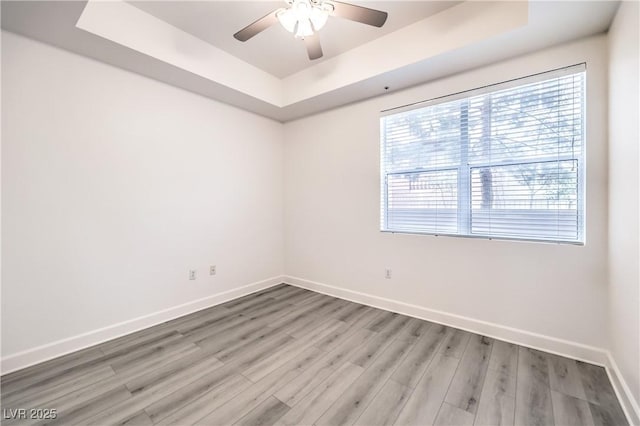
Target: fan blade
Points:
x,y
314,50
258,26
365,15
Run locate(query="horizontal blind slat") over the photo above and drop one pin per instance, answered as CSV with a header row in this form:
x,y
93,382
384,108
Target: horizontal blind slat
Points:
x,y
502,163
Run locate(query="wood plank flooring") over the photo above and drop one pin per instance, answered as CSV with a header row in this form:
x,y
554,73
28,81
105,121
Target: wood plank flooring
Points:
x,y
289,356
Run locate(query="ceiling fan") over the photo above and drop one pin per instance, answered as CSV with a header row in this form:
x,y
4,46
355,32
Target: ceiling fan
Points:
x,y
304,18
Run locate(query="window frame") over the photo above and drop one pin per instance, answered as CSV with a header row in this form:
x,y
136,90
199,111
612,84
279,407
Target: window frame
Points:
x,y
464,168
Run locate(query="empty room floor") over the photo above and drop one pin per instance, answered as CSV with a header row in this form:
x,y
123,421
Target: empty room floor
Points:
x,y
291,356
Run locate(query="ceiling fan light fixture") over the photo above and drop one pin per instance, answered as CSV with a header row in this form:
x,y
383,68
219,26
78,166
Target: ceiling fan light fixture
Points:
x,y
304,29
319,15
304,17
287,19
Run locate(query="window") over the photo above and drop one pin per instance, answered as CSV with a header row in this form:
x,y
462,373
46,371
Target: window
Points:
x,y
505,161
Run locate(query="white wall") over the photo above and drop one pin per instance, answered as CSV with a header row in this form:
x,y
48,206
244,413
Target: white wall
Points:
x,y
624,188
114,186
332,219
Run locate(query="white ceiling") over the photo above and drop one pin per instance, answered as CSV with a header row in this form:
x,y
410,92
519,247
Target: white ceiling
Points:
x,y
190,45
275,50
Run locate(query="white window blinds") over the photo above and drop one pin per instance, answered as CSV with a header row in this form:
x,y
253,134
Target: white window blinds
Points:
x,y
505,161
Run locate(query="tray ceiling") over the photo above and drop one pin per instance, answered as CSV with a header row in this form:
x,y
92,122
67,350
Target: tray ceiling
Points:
x,y
190,45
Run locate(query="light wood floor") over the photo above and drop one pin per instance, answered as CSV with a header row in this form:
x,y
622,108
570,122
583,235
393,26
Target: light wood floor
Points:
x,y
295,357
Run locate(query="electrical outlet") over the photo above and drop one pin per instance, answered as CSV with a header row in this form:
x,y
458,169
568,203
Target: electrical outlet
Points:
x,y
212,270
192,274
387,273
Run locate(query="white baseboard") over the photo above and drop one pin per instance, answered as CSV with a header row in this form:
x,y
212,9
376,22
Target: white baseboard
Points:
x,y
554,345
579,351
562,347
628,402
52,350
